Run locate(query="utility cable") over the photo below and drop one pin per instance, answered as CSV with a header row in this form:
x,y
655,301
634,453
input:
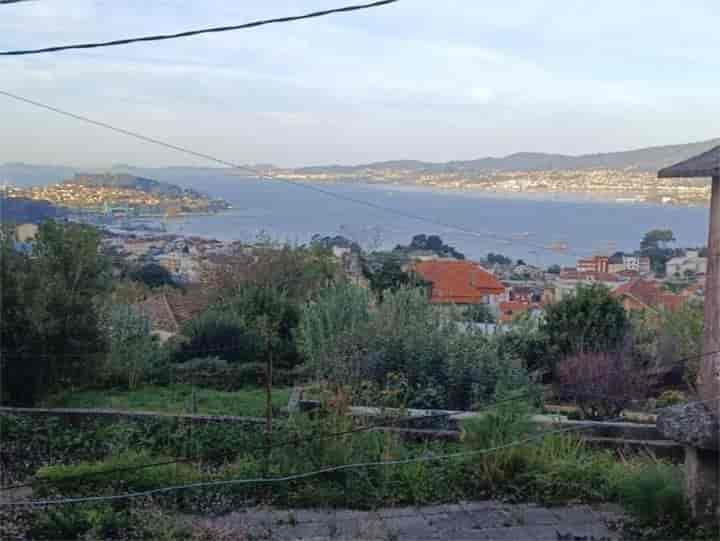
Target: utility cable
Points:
x,y
317,189
294,477
290,441
189,33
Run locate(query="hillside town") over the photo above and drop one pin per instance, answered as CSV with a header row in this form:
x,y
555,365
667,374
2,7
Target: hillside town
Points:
x,y
81,194
622,185
509,289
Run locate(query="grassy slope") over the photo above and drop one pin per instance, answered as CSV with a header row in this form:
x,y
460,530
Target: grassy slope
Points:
x,y
176,398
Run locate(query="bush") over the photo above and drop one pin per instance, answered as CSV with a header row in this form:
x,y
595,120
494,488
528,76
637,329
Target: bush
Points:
x,y
135,356
590,320
602,384
653,494
251,326
114,473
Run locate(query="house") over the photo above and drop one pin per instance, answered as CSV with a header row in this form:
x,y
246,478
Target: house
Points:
x,y
570,279
460,282
168,311
598,263
616,263
26,232
691,262
641,294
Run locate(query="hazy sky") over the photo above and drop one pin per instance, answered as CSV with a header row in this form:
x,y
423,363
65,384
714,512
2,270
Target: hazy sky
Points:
x,y
421,79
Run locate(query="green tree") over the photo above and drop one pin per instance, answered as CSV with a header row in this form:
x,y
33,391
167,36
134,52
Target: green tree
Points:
x,y
655,245
153,275
554,269
591,320
479,313
134,353
52,314
245,327
338,313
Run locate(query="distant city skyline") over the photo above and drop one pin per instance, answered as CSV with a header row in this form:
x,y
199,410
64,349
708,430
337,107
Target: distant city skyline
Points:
x,y
415,80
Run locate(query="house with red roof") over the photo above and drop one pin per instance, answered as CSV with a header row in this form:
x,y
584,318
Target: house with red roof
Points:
x,y
641,294
460,282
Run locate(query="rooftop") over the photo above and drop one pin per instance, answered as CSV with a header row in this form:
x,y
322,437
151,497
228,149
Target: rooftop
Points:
x,y
706,164
460,282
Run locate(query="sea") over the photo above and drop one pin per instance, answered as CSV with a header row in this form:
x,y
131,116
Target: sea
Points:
x,y
541,229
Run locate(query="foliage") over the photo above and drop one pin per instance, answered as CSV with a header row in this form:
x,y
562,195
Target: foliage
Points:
x,y
153,275
655,246
405,339
251,326
339,311
653,493
590,320
51,325
119,472
432,243
479,313
554,269
385,272
498,259
527,341
680,337
298,272
603,384
135,355
175,398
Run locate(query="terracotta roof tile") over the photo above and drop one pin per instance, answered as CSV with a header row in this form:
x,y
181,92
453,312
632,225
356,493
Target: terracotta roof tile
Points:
x,y
650,293
460,282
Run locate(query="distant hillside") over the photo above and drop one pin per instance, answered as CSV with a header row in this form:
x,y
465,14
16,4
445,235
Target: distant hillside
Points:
x,y
646,159
25,175
19,210
133,182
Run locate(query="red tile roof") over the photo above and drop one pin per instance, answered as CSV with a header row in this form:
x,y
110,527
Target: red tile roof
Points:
x,y
459,282
650,294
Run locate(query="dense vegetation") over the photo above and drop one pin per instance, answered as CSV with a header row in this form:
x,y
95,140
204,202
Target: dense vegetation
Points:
x,y
71,337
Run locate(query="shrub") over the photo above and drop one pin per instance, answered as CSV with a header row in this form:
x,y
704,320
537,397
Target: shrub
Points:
x,y
590,320
602,384
652,493
135,355
118,472
251,326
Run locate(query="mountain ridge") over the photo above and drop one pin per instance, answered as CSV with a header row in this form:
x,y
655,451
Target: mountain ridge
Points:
x,y
642,159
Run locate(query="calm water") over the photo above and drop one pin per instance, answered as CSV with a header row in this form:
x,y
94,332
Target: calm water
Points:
x,y
518,226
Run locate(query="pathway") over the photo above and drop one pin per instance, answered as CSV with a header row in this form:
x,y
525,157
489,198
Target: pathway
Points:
x,y
468,521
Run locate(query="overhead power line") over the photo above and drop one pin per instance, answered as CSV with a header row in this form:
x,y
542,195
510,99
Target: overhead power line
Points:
x,y
295,477
190,33
317,189
393,423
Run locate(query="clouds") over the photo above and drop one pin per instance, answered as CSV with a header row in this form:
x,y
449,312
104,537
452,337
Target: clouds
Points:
x,y
419,79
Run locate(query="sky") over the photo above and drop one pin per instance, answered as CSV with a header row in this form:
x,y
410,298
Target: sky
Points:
x,y
432,80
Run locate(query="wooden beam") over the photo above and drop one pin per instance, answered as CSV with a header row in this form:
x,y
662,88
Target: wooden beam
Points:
x,y
708,383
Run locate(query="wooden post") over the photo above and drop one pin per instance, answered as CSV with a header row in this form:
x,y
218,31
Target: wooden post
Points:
x,y
708,383
702,474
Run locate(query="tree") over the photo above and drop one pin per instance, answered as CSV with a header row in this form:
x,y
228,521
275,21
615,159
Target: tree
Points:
x,y
385,272
52,313
244,327
153,275
591,320
554,269
655,246
479,313
498,259
134,353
